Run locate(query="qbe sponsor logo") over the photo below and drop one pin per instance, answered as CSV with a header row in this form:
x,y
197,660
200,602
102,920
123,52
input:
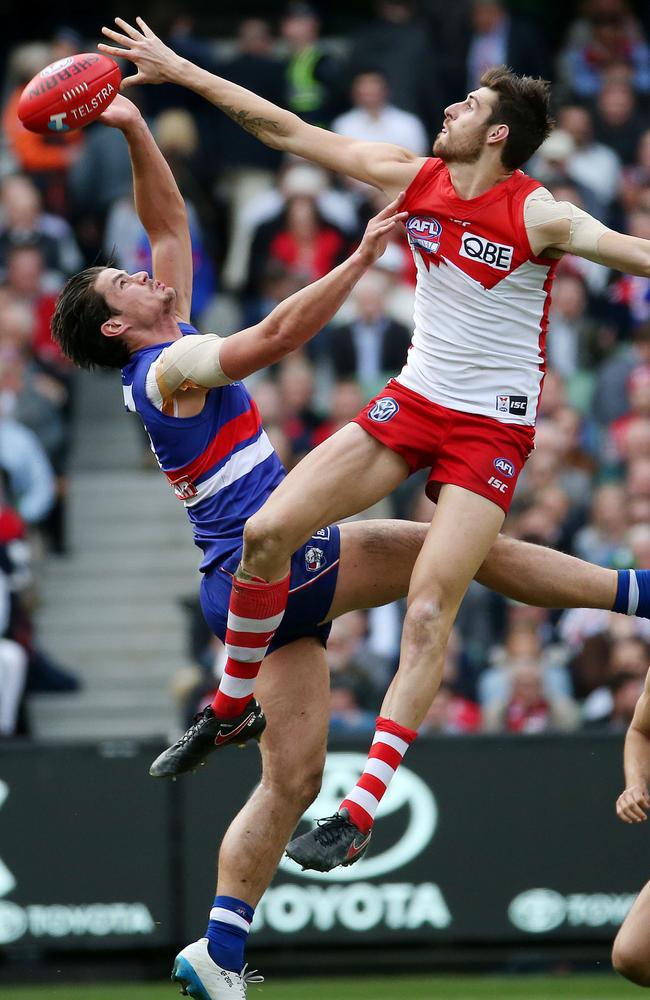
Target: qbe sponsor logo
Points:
x,y
497,255
424,233
56,921
384,410
354,902
538,911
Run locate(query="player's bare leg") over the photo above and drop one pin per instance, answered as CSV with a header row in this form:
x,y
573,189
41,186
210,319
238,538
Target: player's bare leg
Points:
x,y
293,750
464,527
349,472
631,951
293,753
378,557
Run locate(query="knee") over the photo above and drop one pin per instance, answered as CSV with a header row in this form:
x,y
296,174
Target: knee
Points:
x,y
629,963
425,619
296,787
263,538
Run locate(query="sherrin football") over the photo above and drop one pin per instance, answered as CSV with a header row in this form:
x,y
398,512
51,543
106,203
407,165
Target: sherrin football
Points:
x,y
69,93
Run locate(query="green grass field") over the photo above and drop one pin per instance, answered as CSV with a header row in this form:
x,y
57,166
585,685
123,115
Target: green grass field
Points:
x,y
358,988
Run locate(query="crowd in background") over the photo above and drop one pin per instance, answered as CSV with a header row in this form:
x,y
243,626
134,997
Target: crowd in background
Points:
x,y
263,226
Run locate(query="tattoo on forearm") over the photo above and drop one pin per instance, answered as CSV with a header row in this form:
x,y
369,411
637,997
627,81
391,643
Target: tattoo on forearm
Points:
x,y
256,126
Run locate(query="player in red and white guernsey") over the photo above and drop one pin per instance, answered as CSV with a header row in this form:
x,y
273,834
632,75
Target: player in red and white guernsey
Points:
x,y
485,238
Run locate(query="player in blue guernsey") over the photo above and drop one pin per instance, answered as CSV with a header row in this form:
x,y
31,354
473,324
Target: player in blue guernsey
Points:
x,y
207,436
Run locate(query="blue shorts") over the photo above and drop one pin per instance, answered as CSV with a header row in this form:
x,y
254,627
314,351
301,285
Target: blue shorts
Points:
x,y
314,572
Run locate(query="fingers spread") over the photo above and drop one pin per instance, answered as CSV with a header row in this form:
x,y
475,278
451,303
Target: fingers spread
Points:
x,y
128,28
144,28
116,36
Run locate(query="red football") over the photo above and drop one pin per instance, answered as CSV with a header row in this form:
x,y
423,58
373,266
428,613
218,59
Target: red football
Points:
x,y
69,93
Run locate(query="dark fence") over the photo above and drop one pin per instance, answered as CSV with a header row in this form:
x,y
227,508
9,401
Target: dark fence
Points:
x,y
493,840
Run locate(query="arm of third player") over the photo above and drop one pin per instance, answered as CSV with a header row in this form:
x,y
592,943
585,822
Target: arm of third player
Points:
x,y
633,803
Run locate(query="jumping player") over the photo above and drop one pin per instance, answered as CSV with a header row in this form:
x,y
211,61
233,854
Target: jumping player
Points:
x,y
486,239
631,952
206,433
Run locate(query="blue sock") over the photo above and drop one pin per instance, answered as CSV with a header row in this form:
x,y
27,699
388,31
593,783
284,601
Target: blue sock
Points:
x,y
633,593
227,933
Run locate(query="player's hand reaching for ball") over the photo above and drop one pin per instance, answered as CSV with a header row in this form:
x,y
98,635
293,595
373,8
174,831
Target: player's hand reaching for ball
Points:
x,y
120,114
633,804
153,58
380,229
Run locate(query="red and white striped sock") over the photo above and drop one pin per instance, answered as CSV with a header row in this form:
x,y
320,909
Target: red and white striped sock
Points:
x,y
389,745
256,609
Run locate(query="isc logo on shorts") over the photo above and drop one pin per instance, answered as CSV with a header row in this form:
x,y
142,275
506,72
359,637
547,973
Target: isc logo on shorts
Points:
x,y
496,255
505,467
384,409
424,233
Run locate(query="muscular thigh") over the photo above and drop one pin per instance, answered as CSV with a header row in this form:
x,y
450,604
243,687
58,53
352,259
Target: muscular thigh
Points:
x,y
376,562
293,687
346,474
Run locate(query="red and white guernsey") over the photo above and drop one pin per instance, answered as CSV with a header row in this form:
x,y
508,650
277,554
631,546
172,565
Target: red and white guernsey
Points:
x,y
482,298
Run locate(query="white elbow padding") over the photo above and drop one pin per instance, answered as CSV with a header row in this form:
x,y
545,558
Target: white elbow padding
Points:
x,y
583,231
190,363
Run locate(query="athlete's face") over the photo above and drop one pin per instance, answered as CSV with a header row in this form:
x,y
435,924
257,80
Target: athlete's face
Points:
x,y
464,130
139,300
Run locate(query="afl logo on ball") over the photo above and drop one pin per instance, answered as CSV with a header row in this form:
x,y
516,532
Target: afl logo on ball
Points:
x,y
505,467
384,409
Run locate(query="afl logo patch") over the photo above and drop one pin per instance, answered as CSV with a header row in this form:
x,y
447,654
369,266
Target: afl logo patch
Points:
x,y
505,467
424,233
384,409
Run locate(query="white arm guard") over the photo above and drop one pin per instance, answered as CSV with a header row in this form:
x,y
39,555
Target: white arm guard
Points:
x,y
580,234
190,363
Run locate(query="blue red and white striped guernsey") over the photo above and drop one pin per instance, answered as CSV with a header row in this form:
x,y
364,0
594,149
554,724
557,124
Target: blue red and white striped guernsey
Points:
x,y
220,463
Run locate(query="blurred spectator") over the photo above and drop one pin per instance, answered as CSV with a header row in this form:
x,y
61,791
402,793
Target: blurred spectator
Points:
x,y
627,658
296,387
346,399
30,474
626,689
608,36
523,647
305,245
352,666
24,224
569,326
592,164
528,707
247,167
374,119
312,75
450,713
610,400
346,715
497,39
395,42
372,347
618,121
603,539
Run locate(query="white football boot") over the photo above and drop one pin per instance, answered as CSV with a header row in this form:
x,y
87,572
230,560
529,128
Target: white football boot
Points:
x,y
201,978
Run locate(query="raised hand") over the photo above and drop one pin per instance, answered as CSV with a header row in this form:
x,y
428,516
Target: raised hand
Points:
x,y
152,57
380,228
121,113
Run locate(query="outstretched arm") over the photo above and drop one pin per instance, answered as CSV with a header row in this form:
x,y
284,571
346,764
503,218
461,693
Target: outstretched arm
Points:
x,y
556,227
383,165
158,202
633,804
204,362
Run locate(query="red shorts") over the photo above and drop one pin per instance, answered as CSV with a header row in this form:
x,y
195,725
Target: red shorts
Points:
x,y
464,449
